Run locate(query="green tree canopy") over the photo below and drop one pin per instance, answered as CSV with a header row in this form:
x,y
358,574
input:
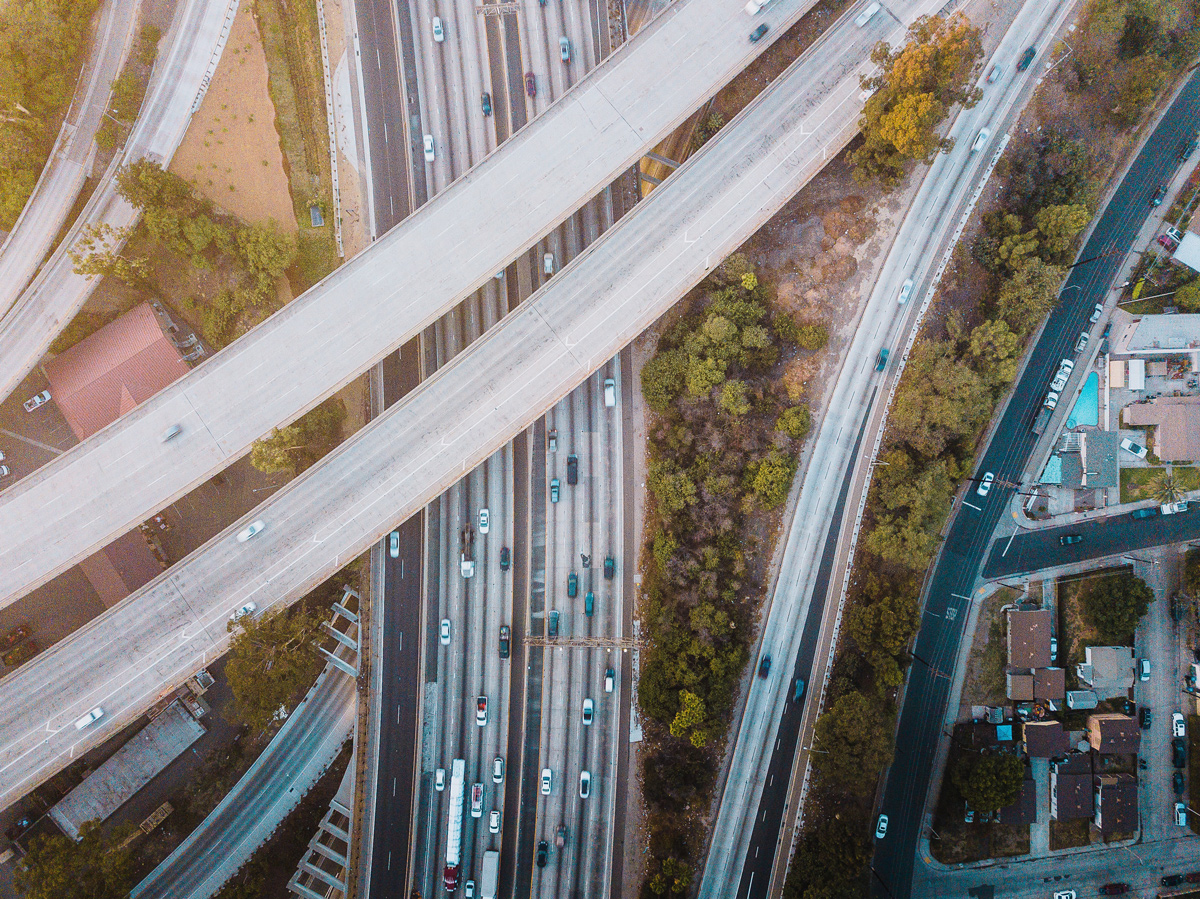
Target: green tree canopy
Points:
x,y
831,860
1187,297
795,421
663,378
1059,226
939,400
272,659
295,447
882,625
855,739
773,478
95,867
995,351
990,782
1114,605
1029,295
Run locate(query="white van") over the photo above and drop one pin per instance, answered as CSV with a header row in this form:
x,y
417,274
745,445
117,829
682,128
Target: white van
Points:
x,y
94,715
548,263
610,392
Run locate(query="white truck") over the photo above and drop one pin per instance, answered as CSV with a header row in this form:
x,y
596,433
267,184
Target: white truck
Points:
x,y
490,877
458,776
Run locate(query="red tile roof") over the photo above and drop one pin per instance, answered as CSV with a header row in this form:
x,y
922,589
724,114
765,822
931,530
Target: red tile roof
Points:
x,y
114,370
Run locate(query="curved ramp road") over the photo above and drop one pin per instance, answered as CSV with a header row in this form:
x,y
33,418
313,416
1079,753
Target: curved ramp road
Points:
x,y
181,75
66,169
953,577
369,307
451,423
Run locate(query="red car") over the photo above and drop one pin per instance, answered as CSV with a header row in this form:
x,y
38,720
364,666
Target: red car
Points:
x,y
530,84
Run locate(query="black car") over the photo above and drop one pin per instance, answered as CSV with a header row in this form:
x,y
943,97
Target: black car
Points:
x,y
1070,539
757,34
1177,781
1144,716
505,558
1144,513
1157,199
764,667
1172,880
1026,59
572,469
1114,889
1179,752
486,102
610,567
505,640
543,852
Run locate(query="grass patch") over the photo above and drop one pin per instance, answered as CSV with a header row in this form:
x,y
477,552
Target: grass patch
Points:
x,y
1069,834
1135,481
292,46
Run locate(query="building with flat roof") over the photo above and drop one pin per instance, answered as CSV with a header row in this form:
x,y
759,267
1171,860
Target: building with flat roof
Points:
x,y
1108,670
149,751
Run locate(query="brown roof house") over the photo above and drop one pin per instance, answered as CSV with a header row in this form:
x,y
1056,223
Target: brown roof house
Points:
x,y
1029,638
1071,787
94,383
1116,803
1176,420
1112,733
1023,810
1045,739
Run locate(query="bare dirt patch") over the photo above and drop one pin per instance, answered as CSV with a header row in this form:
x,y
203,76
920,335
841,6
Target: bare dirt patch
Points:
x,y
231,152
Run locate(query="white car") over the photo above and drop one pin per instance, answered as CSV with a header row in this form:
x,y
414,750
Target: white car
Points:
x,y
170,433
585,784
4,472
1178,725
248,609
1051,400
36,401
610,392
394,545
439,779
986,484
439,33
881,827
485,521
1130,447
445,632
1082,342
1181,814
865,16
94,715
1172,508
609,676
1144,669
546,777
981,139
588,710
1097,312
497,770
429,154
905,292
477,800
255,528
481,711
548,264
469,890
1064,894
494,821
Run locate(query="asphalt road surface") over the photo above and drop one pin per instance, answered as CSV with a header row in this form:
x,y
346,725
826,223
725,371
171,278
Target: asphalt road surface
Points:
x,y
404,282
955,571
1042,548
455,420
181,74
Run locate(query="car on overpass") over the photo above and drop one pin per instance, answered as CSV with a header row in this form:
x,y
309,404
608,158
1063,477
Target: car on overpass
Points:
x,y
1026,59
251,530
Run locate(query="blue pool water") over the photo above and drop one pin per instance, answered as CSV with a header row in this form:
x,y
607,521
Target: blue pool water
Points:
x,y
1087,407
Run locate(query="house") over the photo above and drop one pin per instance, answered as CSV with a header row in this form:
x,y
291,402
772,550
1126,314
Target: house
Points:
x,y
1019,687
1050,684
1023,810
1108,670
1112,733
1116,803
1176,423
1071,787
1082,699
1044,739
1029,633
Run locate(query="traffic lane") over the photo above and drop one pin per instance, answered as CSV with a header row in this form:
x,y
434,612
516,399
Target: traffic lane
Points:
x,y
389,183
1011,444
1102,537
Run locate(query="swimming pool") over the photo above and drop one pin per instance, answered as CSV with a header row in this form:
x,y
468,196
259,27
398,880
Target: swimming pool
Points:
x,y
1087,407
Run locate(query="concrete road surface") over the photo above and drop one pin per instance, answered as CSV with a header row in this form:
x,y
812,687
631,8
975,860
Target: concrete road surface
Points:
x,y
67,168
454,421
369,307
195,40
953,579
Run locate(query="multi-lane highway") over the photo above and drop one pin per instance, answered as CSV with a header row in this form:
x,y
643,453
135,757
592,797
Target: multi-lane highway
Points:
x,y
67,168
404,282
952,582
195,41
801,623
454,421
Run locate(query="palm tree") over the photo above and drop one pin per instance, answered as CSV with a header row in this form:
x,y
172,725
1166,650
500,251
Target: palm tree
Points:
x,y
1164,487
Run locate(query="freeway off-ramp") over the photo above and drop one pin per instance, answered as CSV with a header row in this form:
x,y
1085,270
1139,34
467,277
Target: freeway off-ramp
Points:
x,y
409,455
407,280
954,576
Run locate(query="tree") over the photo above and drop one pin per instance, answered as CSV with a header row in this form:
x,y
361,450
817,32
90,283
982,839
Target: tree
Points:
x,y
690,717
1060,225
95,867
990,782
732,398
267,252
663,378
795,421
1114,605
271,660
883,628
147,185
995,351
1029,295
855,736
773,478
1141,85
1165,487
1187,297
98,252
913,91
939,399
1191,573
296,447
812,336
831,860
673,489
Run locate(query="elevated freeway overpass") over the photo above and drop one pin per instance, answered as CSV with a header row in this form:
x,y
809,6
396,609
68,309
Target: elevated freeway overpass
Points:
x,y
455,420
367,309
